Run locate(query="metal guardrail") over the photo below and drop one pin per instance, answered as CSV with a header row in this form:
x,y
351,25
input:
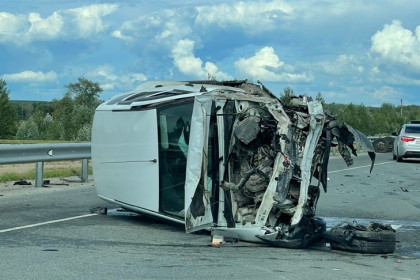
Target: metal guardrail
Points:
x,y
40,153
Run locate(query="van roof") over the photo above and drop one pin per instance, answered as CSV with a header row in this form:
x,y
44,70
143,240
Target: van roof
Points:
x,y
153,92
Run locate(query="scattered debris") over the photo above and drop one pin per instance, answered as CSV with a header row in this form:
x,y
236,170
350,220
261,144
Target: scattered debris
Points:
x,y
22,182
47,183
223,238
76,173
99,210
49,250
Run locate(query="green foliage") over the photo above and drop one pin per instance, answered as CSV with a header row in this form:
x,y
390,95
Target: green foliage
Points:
x,y
73,115
70,118
8,114
84,92
372,121
28,130
67,119
49,173
320,99
287,95
84,133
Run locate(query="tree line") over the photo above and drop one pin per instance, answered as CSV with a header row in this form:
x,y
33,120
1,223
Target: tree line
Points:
x,y
70,118
372,121
66,119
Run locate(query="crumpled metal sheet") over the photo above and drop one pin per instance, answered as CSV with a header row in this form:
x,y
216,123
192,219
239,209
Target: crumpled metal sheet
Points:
x,y
363,142
347,136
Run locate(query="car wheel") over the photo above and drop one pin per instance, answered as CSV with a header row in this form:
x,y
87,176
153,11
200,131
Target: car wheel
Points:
x,y
380,145
394,157
399,159
379,239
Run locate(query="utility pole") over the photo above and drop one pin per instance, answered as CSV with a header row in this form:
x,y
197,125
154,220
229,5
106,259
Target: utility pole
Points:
x,y
401,108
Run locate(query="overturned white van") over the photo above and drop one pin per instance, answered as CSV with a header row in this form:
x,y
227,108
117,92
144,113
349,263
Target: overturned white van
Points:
x,y
220,155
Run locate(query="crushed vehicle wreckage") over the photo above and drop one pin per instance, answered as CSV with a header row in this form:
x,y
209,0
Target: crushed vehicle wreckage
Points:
x,y
225,156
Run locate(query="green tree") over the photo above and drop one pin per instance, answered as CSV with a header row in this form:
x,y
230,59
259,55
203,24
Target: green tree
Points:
x,y
84,133
287,95
84,92
8,115
28,130
65,127
320,99
387,119
348,115
73,114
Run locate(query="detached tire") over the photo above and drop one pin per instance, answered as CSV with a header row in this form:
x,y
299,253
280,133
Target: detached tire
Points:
x,y
359,239
381,145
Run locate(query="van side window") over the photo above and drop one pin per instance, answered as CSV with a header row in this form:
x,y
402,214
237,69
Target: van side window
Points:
x,y
174,129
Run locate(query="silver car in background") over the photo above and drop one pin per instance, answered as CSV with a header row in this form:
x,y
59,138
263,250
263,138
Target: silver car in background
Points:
x,y
407,142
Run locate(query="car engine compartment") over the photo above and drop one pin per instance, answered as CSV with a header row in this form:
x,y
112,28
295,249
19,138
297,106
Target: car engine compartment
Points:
x,y
275,162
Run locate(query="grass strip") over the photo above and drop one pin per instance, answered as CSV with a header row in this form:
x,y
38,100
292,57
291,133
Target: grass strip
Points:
x,y
30,175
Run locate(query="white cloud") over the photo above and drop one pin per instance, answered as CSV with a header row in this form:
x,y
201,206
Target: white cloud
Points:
x,y
188,64
342,65
44,29
398,45
332,95
265,65
386,94
88,20
253,17
157,30
79,23
11,27
31,76
375,70
119,35
109,80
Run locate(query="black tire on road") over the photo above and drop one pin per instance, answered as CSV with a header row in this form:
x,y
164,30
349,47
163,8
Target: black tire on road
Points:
x,y
380,145
361,241
399,158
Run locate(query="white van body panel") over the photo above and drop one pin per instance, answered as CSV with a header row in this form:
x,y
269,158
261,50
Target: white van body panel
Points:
x,y
125,157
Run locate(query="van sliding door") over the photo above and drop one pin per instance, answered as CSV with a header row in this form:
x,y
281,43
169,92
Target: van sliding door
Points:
x,y
125,158
174,132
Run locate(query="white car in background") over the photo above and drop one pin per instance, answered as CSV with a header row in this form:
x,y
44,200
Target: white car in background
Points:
x,y
407,142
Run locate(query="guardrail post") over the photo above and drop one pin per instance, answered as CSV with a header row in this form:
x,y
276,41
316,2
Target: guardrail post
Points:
x,y
85,170
39,174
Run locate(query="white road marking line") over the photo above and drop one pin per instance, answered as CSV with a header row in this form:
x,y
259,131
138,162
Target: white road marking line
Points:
x,y
335,171
48,222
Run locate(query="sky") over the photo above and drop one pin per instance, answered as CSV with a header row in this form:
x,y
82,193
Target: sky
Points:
x,y
359,51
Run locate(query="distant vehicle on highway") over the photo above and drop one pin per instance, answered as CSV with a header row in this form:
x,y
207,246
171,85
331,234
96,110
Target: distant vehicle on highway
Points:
x,y
407,142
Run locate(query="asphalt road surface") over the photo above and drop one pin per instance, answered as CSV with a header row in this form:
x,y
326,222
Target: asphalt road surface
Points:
x,y
49,233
